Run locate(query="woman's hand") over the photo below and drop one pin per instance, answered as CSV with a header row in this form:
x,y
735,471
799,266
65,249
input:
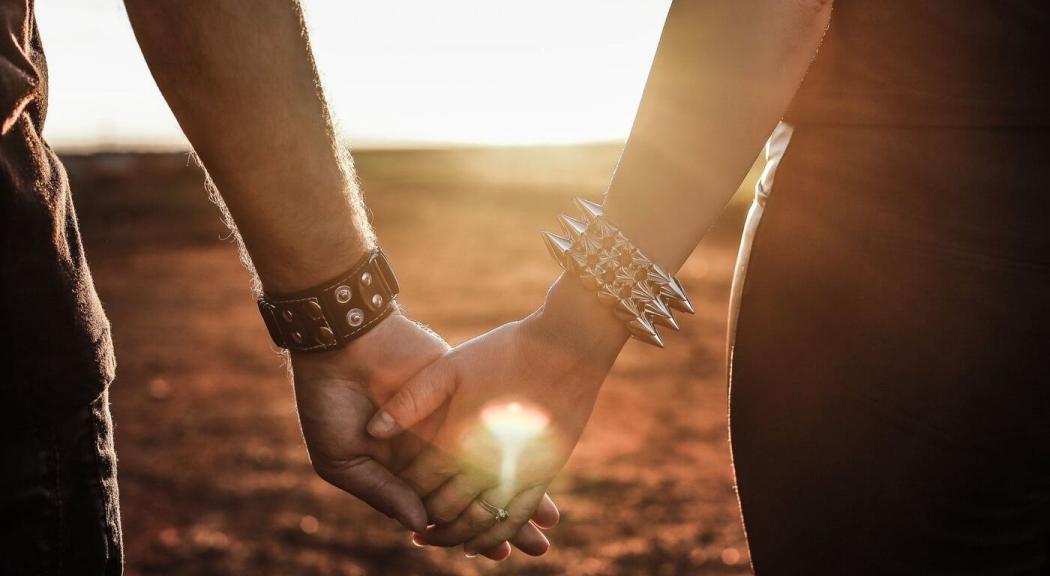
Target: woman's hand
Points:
x,y
546,368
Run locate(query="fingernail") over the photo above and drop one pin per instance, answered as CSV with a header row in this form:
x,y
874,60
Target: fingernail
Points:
x,y
417,539
382,424
470,554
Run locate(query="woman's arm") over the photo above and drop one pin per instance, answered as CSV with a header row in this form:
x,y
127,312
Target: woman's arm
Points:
x,y
723,75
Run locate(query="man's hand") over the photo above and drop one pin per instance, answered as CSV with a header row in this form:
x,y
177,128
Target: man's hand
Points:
x,y
544,363
337,392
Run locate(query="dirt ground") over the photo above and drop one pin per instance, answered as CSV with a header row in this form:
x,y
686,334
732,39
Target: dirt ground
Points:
x,y
214,476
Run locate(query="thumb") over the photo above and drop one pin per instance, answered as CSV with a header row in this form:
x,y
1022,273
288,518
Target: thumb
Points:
x,y
418,398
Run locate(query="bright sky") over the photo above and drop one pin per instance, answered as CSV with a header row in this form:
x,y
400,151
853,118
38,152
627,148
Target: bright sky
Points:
x,y
396,72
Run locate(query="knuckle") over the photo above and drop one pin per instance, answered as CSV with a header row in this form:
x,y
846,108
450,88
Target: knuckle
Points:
x,y
518,517
330,470
479,479
480,522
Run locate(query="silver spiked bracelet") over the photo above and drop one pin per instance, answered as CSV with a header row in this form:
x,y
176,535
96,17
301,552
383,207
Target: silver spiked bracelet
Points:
x,y
640,292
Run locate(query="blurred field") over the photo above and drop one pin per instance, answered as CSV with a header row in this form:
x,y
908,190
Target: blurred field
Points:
x,y
214,477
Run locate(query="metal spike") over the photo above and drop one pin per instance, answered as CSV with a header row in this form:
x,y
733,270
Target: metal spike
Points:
x,y
573,227
641,266
661,314
575,261
558,247
683,305
658,276
591,210
676,296
589,245
667,321
643,292
624,278
607,235
669,287
643,330
653,305
661,308
626,310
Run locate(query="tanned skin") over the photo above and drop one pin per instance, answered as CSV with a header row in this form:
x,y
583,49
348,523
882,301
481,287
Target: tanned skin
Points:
x,y
724,73
240,78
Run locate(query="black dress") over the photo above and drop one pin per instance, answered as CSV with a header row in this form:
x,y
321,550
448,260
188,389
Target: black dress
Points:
x,y
890,389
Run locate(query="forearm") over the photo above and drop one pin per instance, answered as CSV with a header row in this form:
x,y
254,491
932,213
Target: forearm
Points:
x,y
240,79
723,75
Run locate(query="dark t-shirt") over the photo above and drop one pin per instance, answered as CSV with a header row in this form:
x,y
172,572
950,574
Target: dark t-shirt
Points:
x,y
958,63
56,349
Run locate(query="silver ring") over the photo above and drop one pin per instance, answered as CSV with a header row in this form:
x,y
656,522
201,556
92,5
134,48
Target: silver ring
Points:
x,y
500,514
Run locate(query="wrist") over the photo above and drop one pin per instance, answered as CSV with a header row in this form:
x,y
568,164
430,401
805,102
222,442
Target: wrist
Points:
x,y
293,267
574,316
335,312
360,360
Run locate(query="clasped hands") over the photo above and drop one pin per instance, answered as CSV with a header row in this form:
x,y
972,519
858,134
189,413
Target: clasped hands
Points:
x,y
426,457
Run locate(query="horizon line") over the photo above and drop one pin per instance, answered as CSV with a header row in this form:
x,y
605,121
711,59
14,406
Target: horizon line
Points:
x,y
362,145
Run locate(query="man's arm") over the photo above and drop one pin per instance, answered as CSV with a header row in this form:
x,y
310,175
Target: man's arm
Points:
x,y
241,80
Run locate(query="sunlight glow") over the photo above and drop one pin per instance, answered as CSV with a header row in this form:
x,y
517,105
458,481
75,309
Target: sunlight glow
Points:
x,y
513,424
396,73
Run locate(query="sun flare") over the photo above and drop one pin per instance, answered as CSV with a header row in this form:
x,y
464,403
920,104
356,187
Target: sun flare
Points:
x,y
514,424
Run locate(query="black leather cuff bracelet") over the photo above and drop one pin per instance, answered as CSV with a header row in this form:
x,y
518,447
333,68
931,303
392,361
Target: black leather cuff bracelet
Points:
x,y
335,313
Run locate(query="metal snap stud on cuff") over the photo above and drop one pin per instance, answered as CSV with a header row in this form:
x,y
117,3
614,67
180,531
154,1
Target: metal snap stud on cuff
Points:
x,y
326,336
